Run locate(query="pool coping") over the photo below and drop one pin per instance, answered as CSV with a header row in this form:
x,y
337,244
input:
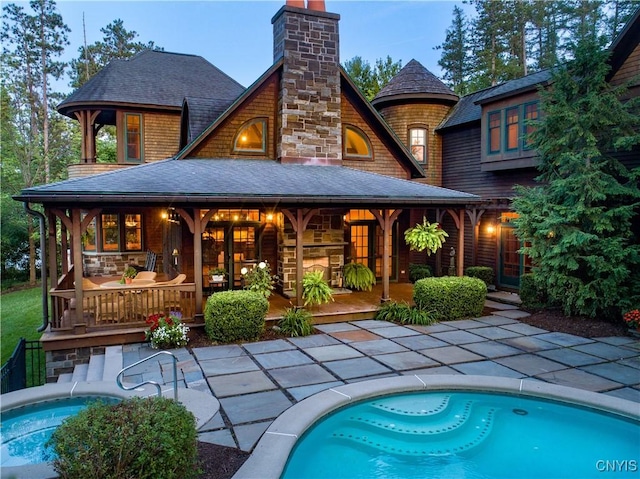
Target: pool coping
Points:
x,y
270,455
203,406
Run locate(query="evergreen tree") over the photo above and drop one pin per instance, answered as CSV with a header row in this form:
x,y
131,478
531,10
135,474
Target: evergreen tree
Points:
x,y
577,224
371,80
455,58
118,43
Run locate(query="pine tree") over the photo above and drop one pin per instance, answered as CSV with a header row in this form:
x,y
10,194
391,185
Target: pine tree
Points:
x,y
455,58
577,224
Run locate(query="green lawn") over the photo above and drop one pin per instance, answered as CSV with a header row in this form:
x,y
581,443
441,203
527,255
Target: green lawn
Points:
x,y
20,317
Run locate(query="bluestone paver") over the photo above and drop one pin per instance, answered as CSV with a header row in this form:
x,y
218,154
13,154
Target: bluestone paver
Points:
x,y
268,346
417,343
465,324
332,353
487,368
530,364
606,351
433,328
282,359
221,437
371,324
335,327
301,375
378,346
630,394
248,434
255,407
406,360
579,379
240,383
524,329
616,372
217,352
564,339
492,349
451,355
494,320
357,335
301,392
494,332
356,368
314,341
512,313
458,337
570,357
395,332
219,367
529,344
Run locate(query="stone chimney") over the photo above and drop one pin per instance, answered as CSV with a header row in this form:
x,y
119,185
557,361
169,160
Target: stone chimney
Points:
x,y
309,123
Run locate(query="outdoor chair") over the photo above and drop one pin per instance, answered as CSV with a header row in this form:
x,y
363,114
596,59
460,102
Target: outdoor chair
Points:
x,y
144,276
150,262
159,300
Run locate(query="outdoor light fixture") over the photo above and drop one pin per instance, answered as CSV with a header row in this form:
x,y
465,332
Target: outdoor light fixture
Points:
x,y
269,216
491,229
175,256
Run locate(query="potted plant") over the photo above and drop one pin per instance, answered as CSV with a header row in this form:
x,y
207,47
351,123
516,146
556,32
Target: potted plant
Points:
x,y
358,277
217,275
128,275
315,289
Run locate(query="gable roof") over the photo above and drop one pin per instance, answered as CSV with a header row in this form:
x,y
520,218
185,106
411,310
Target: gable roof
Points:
x,y
413,82
624,44
197,115
245,182
153,79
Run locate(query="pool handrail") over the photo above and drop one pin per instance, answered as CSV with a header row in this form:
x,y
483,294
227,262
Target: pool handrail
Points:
x,y
153,383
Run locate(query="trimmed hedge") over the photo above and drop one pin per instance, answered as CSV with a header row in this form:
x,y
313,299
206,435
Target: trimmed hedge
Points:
x,y
419,271
450,297
485,273
145,438
231,316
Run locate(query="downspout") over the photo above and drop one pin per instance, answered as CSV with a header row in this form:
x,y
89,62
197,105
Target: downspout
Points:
x,y
43,267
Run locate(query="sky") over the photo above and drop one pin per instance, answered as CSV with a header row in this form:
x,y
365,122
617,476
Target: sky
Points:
x,y
237,35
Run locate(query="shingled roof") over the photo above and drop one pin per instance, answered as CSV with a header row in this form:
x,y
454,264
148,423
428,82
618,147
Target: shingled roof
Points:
x,y
466,111
414,82
246,182
153,79
515,87
198,114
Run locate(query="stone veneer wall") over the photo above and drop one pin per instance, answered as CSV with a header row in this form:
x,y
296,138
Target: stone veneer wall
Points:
x,y
323,238
112,264
309,118
64,360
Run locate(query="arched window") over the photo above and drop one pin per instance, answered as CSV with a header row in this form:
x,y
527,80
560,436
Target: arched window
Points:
x,y
355,143
251,137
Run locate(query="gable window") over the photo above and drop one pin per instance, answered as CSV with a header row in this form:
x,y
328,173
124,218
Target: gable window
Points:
x,y
494,132
356,143
530,115
115,231
512,128
251,137
418,144
133,138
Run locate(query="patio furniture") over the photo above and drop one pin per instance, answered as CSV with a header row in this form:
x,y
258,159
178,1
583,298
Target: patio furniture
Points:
x,y
150,262
144,276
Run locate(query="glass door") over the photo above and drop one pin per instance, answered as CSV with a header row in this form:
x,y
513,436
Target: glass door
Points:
x,y
512,264
367,246
242,251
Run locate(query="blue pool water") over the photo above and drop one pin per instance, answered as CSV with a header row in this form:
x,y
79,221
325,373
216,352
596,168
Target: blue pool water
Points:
x,y
25,430
466,435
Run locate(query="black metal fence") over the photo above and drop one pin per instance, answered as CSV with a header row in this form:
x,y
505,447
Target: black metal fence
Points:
x,y
25,367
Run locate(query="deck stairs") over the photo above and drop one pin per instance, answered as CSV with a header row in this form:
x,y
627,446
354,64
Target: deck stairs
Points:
x,y
101,367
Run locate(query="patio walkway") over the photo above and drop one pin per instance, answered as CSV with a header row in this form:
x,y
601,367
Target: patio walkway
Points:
x,y
255,382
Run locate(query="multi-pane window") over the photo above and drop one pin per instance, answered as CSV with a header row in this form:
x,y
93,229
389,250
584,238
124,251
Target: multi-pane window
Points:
x,y
530,115
251,137
133,138
512,128
356,143
113,232
418,144
494,131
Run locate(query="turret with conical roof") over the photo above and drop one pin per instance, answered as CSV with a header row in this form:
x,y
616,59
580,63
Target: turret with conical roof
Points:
x,y
414,103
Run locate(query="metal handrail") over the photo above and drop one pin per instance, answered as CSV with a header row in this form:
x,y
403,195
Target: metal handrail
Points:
x,y
154,383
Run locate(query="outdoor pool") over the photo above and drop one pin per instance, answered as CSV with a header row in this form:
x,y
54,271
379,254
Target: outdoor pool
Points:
x,y
444,426
466,434
25,430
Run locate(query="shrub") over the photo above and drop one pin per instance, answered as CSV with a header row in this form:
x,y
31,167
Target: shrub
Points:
x,y
485,273
296,322
141,438
315,289
531,294
259,279
231,316
357,276
403,313
419,271
450,297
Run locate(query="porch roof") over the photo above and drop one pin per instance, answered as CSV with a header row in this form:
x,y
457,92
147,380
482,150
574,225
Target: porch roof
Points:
x,y
246,182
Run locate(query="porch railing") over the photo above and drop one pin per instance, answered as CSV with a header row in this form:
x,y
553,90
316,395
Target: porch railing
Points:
x,y
112,308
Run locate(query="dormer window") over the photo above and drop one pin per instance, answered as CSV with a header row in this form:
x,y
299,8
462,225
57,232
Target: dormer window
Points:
x,y
251,137
356,143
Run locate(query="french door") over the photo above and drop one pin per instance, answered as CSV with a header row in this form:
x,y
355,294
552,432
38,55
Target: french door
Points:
x,y
366,247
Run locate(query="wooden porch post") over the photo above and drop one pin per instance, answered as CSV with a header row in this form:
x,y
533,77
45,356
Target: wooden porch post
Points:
x,y
458,218
439,215
474,217
299,223
53,266
197,258
386,219
87,120
76,250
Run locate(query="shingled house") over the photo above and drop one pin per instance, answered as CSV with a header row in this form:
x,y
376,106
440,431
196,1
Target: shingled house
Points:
x,y
298,169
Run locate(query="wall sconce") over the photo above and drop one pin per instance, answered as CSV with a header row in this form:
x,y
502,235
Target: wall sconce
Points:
x,y
269,217
175,255
164,215
491,229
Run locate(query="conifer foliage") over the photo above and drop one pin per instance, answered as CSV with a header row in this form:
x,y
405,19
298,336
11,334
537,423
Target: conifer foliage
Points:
x,y
577,225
